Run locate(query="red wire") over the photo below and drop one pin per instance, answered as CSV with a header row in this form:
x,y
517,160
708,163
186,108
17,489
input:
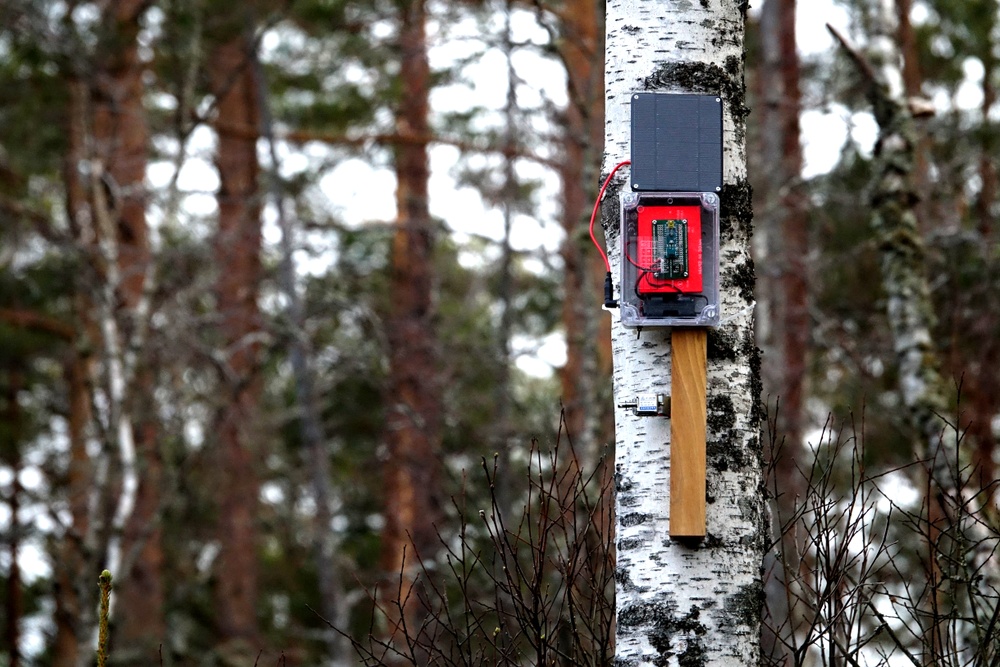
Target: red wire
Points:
x,y
597,205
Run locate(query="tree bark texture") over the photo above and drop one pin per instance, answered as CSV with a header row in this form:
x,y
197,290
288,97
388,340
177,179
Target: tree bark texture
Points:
x,y
680,602
413,428
795,232
237,253
912,86
72,566
587,337
121,141
768,244
910,310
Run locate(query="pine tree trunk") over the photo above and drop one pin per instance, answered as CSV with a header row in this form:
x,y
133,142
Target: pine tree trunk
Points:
x,y
122,144
693,603
413,434
985,385
912,86
583,322
795,281
768,242
237,255
71,570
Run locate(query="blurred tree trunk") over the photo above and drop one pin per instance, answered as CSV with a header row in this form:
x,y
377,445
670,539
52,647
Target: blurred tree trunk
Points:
x,y
121,141
71,614
238,262
785,224
768,242
786,293
503,426
586,377
72,567
588,336
912,86
982,373
769,163
413,423
694,603
307,409
795,231
922,388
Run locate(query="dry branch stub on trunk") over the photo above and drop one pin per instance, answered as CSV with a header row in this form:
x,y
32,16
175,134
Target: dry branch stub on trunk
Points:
x,y
680,602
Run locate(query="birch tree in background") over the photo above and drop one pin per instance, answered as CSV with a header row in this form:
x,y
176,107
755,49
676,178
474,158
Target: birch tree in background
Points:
x,y
925,394
694,603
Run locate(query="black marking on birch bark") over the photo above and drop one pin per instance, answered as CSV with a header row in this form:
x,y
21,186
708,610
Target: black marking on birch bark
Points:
x,y
629,501
704,4
721,413
722,344
648,613
625,581
633,519
629,543
752,510
743,607
741,278
756,389
736,212
666,629
622,662
611,211
706,78
622,484
631,29
711,541
726,453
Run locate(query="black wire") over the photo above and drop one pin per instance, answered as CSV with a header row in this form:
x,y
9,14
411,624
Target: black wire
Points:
x,y
664,284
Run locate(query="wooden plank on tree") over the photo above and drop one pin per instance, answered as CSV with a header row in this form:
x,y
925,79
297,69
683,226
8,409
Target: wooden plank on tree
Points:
x,y
688,416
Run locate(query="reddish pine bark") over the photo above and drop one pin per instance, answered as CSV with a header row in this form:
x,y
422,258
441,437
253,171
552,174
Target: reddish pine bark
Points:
x,y
588,366
588,332
413,433
71,567
121,139
237,256
912,85
795,233
982,373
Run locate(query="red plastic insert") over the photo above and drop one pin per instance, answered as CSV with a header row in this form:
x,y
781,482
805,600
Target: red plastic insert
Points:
x,y
648,283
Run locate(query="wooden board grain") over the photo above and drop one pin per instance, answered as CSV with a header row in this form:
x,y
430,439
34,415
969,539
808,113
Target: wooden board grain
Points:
x,y
688,416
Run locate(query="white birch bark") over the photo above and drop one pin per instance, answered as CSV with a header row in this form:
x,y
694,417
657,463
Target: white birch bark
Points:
x,y
688,603
966,551
119,420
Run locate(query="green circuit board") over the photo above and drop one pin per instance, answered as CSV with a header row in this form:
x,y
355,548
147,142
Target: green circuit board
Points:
x,y
670,249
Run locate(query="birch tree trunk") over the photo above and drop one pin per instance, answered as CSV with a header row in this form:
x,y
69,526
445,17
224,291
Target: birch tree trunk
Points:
x,y
682,602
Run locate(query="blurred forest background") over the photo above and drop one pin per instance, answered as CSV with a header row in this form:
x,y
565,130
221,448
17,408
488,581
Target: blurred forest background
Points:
x,y
276,276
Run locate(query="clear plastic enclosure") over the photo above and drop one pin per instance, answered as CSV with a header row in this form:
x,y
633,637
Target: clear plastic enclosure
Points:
x,y
670,259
